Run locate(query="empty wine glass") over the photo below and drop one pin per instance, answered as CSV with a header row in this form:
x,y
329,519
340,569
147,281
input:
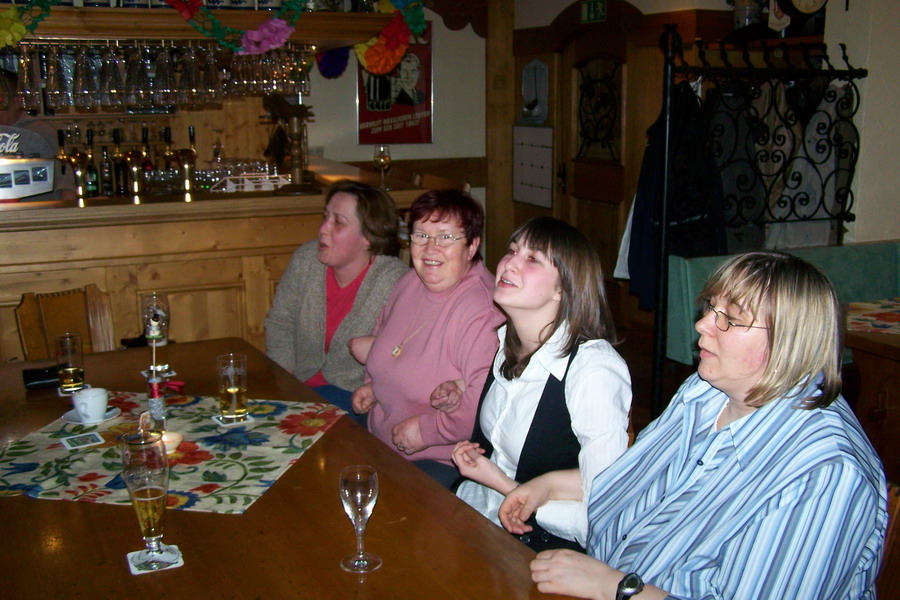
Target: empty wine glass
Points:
x,y
359,492
382,162
164,79
112,91
145,470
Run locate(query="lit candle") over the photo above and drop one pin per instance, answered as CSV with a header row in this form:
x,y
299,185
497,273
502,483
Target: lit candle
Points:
x,y
171,439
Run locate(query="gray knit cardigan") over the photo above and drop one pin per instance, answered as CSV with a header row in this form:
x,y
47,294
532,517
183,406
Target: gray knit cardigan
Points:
x,y
295,326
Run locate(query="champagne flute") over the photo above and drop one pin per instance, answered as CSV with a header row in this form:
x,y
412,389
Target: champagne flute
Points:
x,y
145,470
382,162
359,492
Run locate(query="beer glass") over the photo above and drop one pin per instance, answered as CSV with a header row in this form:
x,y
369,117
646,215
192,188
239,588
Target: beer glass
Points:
x,y
112,90
70,362
138,92
359,492
164,79
232,375
145,470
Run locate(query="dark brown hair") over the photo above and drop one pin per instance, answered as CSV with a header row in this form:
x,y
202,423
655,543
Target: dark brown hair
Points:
x,y
583,305
377,214
441,205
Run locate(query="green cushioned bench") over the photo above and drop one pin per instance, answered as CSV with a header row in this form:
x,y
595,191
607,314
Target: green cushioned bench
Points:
x,y
859,272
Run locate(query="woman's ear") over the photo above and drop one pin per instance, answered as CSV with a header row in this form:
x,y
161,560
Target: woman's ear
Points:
x,y
473,247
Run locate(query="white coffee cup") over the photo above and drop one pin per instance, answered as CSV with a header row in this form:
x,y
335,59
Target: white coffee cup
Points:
x,y
90,404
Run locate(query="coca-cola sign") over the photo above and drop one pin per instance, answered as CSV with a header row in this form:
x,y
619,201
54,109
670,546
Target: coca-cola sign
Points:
x,y
9,143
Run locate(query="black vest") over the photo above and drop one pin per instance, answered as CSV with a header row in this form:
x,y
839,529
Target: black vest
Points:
x,y
550,445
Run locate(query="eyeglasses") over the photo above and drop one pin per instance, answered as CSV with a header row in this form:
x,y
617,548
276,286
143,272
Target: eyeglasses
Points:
x,y
723,321
441,240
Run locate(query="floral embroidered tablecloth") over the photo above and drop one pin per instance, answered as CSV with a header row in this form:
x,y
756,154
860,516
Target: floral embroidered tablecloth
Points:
x,y
880,316
215,469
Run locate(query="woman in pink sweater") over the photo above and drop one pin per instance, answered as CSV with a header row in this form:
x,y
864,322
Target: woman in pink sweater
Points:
x,y
438,326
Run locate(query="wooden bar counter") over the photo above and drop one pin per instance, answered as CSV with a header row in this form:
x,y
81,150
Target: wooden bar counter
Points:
x,y
218,257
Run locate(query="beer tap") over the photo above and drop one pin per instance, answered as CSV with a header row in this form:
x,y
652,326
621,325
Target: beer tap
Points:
x,y
186,158
79,161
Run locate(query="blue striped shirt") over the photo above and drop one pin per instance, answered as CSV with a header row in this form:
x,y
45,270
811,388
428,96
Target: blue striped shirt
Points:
x,y
783,503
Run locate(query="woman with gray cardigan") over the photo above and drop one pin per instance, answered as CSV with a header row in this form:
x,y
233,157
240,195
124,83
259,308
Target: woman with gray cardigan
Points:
x,y
334,288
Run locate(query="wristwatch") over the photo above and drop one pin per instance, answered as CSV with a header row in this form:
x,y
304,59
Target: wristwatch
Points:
x,y
631,585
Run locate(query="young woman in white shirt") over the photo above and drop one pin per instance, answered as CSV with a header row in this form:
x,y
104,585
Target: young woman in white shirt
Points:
x,y
558,395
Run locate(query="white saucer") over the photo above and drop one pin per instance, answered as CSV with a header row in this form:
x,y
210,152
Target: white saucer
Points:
x,y
72,416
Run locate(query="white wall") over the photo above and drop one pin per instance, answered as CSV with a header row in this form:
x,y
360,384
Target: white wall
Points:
x,y
871,30
458,107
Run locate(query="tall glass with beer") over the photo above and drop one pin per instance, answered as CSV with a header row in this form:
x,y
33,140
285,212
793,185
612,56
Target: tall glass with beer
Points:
x,y
70,362
145,470
232,375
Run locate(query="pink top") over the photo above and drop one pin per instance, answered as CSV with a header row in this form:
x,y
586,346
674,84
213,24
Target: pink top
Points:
x,y
338,303
445,336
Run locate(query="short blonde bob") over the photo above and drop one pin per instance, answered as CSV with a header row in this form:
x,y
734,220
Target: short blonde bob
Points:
x,y
799,306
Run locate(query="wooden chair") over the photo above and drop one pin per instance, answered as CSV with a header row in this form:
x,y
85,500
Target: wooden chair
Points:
x,y
85,311
888,582
436,182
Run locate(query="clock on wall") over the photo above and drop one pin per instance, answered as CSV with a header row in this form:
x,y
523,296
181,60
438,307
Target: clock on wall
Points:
x,y
801,8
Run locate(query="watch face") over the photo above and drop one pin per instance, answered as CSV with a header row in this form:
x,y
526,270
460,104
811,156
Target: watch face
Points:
x,y
631,584
799,8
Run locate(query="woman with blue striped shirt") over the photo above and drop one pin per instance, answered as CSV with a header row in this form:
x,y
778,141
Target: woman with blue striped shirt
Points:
x,y
757,480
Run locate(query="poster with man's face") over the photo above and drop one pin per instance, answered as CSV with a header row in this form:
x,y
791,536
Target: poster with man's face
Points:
x,y
395,108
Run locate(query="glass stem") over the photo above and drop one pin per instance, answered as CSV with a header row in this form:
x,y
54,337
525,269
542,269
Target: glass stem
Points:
x,y
152,544
360,532
382,187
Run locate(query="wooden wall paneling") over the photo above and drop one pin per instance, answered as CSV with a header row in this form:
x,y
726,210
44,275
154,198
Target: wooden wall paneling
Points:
x,y
242,134
259,295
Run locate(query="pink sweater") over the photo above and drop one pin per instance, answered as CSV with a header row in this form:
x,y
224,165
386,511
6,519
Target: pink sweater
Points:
x,y
448,336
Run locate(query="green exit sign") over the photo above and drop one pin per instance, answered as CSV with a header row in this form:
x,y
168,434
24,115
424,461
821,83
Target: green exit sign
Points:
x,y
593,11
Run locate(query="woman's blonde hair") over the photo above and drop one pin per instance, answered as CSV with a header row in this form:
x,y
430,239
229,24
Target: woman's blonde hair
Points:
x,y
800,308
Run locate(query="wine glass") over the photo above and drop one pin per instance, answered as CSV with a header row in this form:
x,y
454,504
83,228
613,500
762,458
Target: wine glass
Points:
x,y
359,492
145,470
382,162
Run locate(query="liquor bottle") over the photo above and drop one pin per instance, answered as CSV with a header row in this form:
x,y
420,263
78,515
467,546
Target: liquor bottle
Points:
x,y
106,173
120,167
91,177
147,164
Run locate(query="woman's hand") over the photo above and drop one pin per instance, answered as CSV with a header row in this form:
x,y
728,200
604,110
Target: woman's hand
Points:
x,y
407,437
360,346
363,399
446,396
468,458
574,574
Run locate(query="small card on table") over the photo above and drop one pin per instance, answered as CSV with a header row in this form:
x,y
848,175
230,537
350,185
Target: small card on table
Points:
x,y
82,440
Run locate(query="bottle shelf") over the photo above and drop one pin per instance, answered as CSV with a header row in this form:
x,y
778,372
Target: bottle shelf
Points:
x,y
322,29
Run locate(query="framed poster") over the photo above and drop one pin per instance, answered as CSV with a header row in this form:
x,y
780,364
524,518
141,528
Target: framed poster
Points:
x,y
395,108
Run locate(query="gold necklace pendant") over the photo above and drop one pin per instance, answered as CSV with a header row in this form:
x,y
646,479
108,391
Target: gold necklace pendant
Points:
x,y
397,350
